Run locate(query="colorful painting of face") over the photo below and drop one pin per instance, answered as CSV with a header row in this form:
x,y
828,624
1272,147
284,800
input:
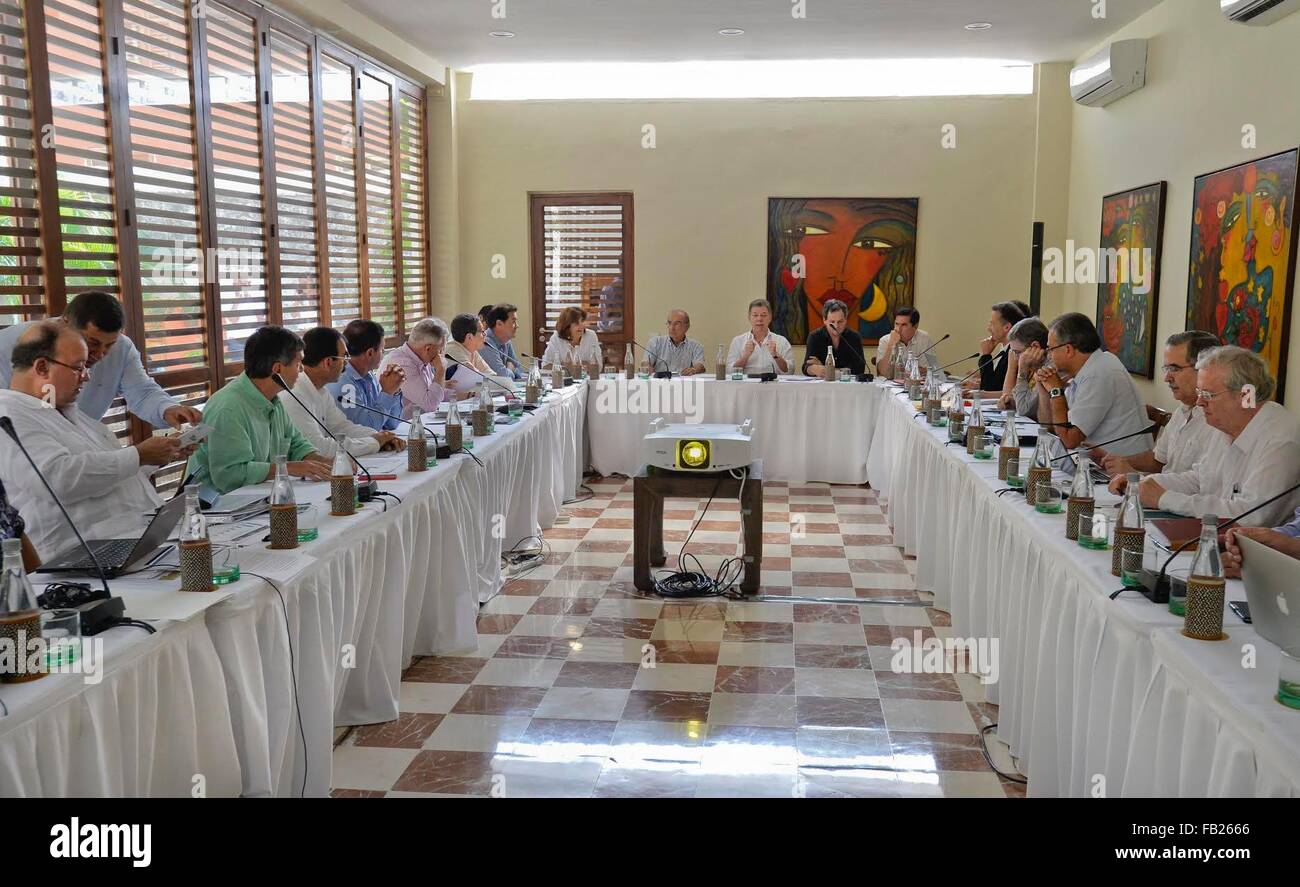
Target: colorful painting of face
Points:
x,y
1243,257
1128,291
861,251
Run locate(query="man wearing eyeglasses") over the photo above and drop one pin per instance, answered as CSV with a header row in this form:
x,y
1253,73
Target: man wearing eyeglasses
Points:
x,y
1100,403
1261,459
105,486
118,370
324,354
1187,438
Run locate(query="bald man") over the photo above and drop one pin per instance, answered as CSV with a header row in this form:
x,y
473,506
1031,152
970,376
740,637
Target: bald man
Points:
x,y
675,352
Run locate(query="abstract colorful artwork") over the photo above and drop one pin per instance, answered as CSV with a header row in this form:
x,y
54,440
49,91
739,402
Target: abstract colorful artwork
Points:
x,y
1243,257
1128,292
860,250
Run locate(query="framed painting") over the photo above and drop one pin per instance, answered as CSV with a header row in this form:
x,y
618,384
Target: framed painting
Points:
x,y
1243,257
860,250
1128,288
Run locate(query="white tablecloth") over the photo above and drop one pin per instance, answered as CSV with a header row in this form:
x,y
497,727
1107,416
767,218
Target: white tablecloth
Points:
x,y
157,720
372,592
1075,667
804,431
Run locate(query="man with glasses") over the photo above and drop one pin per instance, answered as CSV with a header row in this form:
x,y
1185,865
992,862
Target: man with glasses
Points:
x,y
675,352
105,486
836,337
1261,458
324,356
1187,438
1027,352
1087,394
118,371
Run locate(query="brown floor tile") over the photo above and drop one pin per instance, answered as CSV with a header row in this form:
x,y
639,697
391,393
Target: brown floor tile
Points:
x,y
939,618
770,632
497,623
883,635
830,656
619,627
444,670
527,646
858,540
525,587
938,751
448,772
563,606
565,533
612,546
836,551
485,699
666,705
821,580
686,652
355,793
613,523
894,568
407,731
887,594
754,679
573,573
694,611
833,614
936,687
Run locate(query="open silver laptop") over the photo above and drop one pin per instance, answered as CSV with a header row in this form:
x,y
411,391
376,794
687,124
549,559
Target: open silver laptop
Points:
x,y
1273,589
118,556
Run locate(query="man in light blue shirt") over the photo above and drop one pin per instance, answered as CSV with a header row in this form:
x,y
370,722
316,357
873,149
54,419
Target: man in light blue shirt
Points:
x,y
498,349
358,385
114,363
675,352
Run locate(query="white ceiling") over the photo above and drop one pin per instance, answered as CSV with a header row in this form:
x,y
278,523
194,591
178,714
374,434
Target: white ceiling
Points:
x,y
456,31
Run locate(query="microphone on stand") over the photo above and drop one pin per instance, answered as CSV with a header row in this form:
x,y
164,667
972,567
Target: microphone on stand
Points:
x,y
1156,585
493,379
442,450
9,429
934,346
365,491
954,363
658,374
1150,429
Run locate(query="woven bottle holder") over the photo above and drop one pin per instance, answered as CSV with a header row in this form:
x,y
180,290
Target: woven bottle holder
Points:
x,y
284,526
479,422
1203,619
454,436
343,496
1077,511
1036,476
196,566
531,394
1125,541
972,432
417,455
17,633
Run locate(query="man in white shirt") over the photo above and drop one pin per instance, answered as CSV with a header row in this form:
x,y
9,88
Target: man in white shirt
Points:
x,y
760,350
324,356
1187,438
915,340
1261,459
104,485
1100,404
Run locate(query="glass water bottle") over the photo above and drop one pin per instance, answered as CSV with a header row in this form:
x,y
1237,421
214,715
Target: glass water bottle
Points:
x,y
284,507
1130,536
20,617
720,364
417,444
1204,590
455,432
195,547
1080,507
629,362
343,483
1009,449
831,374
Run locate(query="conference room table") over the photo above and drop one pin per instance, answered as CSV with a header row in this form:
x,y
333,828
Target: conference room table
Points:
x,y
245,685
1096,696
805,430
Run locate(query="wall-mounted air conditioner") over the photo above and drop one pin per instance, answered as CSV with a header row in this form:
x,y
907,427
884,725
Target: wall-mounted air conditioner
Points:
x,y
1257,12
1116,71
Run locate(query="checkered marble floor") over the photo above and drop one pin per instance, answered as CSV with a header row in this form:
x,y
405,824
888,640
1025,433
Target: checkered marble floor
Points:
x,y
582,686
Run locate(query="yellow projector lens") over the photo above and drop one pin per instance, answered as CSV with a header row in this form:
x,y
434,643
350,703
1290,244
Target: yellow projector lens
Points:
x,y
693,454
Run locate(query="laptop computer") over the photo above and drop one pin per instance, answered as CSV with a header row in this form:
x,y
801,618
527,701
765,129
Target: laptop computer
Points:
x,y
1273,589
118,556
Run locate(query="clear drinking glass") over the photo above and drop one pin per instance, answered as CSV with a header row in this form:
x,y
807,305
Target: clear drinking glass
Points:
x,y
1096,534
61,630
1051,500
1288,679
225,564
1178,589
308,523
984,445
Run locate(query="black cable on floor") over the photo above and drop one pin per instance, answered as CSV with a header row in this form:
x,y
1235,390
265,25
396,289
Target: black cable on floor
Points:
x,y
293,674
984,747
696,583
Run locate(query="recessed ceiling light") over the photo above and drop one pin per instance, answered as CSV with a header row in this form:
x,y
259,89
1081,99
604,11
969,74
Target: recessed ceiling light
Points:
x,y
978,26
501,33
731,32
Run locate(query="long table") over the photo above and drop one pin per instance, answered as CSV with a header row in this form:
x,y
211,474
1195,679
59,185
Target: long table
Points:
x,y
804,429
329,639
1096,696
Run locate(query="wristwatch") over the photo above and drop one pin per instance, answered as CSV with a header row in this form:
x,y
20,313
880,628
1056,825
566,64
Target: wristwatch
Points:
x,y
1054,393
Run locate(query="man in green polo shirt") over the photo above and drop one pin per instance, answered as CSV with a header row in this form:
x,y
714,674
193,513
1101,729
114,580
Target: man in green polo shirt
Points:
x,y
249,426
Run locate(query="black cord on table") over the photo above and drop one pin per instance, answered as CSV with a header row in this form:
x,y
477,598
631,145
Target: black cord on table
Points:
x,y
293,674
389,495
125,621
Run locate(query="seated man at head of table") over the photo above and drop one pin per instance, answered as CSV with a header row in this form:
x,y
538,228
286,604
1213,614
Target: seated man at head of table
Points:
x,y
250,426
424,374
1260,459
1285,539
359,387
466,367
675,352
118,370
105,486
760,350
1187,438
835,337
1086,394
323,358
1026,353
502,325
995,350
907,331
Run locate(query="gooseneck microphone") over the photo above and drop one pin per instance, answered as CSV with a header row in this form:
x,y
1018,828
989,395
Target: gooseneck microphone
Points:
x,y
654,363
365,491
1156,585
480,374
9,429
955,362
1150,429
934,346
343,402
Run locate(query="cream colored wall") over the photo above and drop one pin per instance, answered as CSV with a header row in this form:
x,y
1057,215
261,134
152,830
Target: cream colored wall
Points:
x,y
701,194
1206,79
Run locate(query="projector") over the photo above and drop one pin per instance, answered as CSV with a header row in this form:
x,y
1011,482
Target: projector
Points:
x,y
697,449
